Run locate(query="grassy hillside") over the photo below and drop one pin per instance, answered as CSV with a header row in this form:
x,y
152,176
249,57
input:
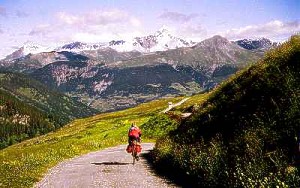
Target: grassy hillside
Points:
x,y
245,134
23,164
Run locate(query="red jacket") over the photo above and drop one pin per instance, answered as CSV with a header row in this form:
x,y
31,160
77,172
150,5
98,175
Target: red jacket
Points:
x,y
134,131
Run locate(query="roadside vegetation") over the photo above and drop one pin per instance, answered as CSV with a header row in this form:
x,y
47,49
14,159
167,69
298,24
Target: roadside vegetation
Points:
x,y
246,132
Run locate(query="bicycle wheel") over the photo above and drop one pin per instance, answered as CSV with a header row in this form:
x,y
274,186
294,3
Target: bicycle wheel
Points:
x,y
134,152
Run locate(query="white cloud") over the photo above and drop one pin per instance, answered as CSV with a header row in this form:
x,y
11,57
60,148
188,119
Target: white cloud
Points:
x,y
177,17
135,22
193,29
99,17
98,25
184,25
188,31
274,29
93,26
106,17
69,19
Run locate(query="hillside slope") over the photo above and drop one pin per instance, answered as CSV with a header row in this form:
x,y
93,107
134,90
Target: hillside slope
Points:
x,y
245,134
20,121
36,94
32,62
28,108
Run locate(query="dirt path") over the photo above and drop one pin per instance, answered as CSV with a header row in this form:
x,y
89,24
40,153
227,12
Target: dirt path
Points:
x,y
111,167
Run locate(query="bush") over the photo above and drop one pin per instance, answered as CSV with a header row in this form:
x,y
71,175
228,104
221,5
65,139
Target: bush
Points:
x,y
158,126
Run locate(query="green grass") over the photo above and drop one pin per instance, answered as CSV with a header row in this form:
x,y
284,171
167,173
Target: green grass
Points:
x,y
244,133
24,164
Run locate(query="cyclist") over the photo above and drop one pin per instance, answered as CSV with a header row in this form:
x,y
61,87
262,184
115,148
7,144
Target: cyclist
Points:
x,y
134,133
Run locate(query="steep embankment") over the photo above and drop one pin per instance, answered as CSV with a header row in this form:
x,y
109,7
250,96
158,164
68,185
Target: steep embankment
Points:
x,y
245,133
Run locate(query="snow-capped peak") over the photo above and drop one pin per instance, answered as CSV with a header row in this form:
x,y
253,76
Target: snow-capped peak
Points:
x,y
160,40
33,48
163,31
259,43
29,48
80,46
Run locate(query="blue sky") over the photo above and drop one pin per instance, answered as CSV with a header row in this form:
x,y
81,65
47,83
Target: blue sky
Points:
x,y
49,22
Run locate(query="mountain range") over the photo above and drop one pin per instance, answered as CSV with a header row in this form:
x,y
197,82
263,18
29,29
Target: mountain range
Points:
x,y
161,40
121,74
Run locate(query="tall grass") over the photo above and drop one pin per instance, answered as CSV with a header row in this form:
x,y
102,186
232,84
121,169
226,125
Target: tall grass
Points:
x,y
245,133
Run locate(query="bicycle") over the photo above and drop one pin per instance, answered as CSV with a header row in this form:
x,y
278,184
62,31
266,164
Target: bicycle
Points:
x,y
135,151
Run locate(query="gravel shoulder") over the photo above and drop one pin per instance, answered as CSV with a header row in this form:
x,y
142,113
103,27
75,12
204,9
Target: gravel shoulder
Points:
x,y
111,167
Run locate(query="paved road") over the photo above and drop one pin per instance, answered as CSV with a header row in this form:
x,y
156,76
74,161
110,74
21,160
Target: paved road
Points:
x,y
111,167
174,105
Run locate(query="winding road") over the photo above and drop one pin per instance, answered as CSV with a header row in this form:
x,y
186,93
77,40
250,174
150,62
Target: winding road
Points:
x,y
111,167
174,105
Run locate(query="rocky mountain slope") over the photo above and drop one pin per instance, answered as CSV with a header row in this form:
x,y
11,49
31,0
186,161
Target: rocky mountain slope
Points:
x,y
20,121
120,80
31,62
28,48
210,52
114,88
262,44
29,109
47,100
